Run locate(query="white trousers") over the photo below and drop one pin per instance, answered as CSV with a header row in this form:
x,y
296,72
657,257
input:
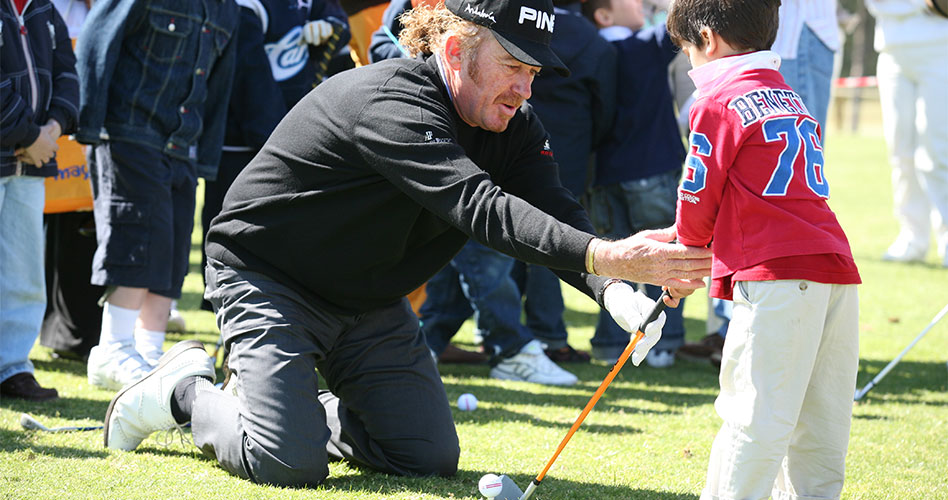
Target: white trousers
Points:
x,y
788,376
915,121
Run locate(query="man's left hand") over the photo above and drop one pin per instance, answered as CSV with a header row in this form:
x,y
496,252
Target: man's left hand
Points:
x,y
629,308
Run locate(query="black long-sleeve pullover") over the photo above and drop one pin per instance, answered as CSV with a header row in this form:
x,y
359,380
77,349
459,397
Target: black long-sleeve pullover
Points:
x,y
373,182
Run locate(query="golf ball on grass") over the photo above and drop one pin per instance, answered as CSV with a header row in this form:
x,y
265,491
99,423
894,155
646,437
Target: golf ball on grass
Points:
x,y
467,402
490,485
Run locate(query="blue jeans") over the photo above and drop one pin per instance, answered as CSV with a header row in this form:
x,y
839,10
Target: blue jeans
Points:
x,y
22,274
810,74
543,303
620,210
477,281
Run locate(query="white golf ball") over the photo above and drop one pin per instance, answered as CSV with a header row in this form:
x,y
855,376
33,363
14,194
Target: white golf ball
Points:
x,y
467,402
490,485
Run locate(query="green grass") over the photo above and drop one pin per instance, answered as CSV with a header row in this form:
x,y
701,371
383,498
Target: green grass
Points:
x,y
648,438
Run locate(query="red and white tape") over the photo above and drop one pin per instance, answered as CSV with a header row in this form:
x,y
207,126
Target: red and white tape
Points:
x,y
851,82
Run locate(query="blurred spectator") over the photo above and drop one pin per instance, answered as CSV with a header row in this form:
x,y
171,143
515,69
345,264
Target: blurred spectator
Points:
x,y
577,111
151,141
40,100
639,165
73,318
280,51
912,41
807,39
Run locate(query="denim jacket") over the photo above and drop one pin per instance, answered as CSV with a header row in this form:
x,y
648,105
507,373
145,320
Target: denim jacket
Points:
x,y
158,73
38,81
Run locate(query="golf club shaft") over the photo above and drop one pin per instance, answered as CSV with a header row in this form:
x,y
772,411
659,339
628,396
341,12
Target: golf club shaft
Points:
x,y
653,315
902,354
28,422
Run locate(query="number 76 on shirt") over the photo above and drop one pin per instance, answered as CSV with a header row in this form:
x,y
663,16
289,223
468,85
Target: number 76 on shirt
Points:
x,y
798,136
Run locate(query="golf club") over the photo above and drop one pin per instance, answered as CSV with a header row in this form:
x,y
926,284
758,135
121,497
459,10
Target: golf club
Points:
x,y
30,423
652,316
891,365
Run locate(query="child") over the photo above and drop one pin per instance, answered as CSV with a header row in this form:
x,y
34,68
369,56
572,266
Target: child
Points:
x,y
155,79
755,188
40,102
638,164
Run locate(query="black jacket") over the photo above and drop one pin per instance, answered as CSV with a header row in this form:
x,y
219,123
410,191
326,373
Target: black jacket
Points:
x,y
38,71
372,183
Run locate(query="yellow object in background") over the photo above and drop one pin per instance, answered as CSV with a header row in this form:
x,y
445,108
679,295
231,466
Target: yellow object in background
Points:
x,y
71,189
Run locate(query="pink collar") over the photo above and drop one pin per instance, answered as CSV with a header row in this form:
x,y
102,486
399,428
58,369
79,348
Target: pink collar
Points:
x,y
710,75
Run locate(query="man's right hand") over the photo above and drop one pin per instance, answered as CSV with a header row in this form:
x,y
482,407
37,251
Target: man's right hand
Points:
x,y
650,257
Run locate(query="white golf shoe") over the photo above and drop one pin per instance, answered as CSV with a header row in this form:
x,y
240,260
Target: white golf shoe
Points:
x,y
145,406
532,365
113,366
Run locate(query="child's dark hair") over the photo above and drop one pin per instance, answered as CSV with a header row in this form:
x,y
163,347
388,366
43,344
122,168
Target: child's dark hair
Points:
x,y
743,24
591,6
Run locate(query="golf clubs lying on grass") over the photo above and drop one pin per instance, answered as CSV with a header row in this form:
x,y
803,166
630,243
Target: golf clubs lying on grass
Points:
x,y
891,365
509,490
30,423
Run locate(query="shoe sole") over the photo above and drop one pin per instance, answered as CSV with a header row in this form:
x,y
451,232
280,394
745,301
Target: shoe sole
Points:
x,y
176,350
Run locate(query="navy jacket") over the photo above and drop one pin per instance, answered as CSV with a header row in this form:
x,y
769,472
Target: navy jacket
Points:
x,y
274,69
158,73
577,110
38,81
645,140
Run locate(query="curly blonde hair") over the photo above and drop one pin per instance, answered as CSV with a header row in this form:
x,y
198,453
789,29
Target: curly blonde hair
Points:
x,y
426,29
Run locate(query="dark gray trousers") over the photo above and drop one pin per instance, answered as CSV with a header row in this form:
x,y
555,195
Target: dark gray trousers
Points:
x,y
385,409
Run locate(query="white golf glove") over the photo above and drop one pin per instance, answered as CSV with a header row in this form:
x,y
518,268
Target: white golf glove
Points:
x,y
629,308
317,32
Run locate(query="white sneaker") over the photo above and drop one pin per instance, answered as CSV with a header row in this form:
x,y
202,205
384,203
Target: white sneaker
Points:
x,y
660,359
532,365
175,320
151,355
113,366
145,406
903,249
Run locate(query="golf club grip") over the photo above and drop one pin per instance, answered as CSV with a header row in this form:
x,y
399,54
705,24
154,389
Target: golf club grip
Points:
x,y
652,316
656,311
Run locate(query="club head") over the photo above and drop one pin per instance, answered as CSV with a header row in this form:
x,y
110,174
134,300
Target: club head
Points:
x,y
28,422
510,490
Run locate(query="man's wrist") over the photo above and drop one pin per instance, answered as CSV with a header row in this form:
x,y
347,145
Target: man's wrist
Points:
x,y
602,290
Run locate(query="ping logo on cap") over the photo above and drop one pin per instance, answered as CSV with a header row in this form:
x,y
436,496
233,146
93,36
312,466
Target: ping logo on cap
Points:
x,y
544,20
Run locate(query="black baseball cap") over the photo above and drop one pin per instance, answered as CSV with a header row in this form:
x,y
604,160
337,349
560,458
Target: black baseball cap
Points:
x,y
522,27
